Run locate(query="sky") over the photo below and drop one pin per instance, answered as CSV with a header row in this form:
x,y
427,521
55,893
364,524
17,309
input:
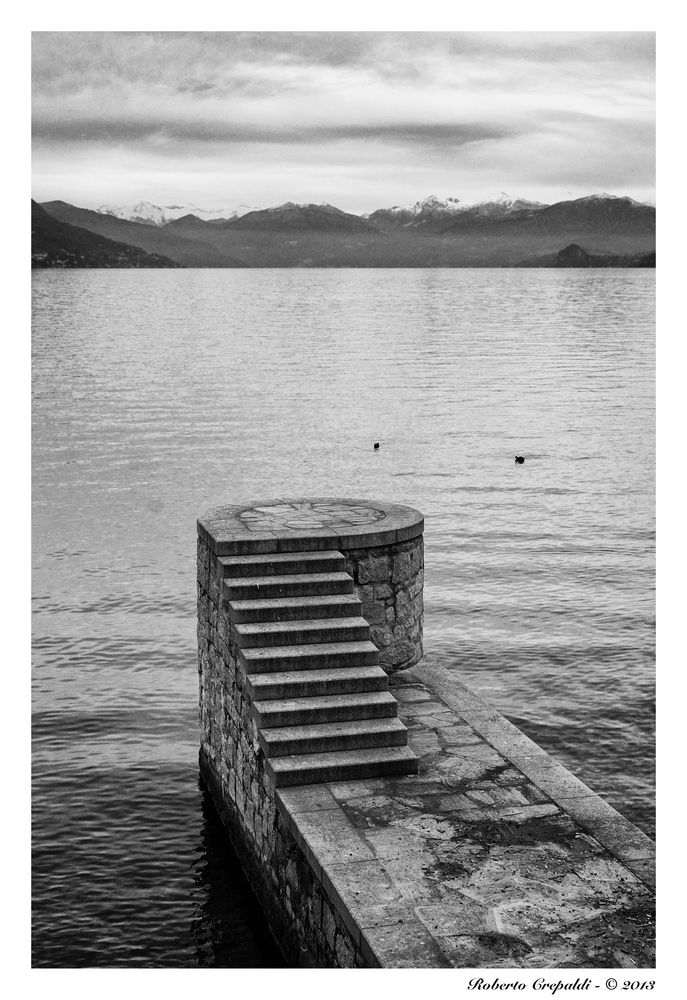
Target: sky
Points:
x,y
361,120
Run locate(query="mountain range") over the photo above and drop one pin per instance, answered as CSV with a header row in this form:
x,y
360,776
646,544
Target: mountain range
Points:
x,y
438,214
498,232
57,244
160,215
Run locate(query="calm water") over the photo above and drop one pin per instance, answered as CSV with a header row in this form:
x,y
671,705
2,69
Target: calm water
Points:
x,y
159,394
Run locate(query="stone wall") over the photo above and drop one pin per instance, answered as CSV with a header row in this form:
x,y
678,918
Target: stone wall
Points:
x,y
389,581
303,919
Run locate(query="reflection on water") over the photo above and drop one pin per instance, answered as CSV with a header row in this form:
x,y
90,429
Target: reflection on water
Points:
x,y
133,868
229,929
158,395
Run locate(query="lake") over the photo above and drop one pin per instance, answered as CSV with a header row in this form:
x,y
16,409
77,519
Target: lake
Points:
x,y
161,394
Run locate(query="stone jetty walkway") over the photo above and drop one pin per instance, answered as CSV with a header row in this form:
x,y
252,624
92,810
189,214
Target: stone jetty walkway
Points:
x,y
393,821
492,856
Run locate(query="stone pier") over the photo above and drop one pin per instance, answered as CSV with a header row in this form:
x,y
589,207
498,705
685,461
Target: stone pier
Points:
x,y
385,816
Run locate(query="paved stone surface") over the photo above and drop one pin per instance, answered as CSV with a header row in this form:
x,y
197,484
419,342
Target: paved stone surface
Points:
x,y
492,856
308,523
590,811
309,514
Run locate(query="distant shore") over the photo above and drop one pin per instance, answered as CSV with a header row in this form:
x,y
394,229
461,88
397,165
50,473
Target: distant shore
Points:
x,y
601,232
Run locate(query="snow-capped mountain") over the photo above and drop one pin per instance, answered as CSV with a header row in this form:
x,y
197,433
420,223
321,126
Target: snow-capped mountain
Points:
x,y
159,215
502,204
595,213
323,206
433,213
431,205
429,215
428,211
593,198
291,235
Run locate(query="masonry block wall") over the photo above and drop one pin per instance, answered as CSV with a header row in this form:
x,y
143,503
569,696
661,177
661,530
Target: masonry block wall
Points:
x,y
305,922
302,919
389,581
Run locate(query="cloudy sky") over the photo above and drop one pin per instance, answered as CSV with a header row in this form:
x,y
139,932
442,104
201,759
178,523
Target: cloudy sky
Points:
x,y
362,120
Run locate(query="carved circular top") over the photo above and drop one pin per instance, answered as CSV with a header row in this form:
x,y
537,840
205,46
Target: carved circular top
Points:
x,y
281,525
309,514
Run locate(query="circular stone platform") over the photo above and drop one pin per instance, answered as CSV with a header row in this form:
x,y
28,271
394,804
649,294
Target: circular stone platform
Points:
x,y
381,542
307,523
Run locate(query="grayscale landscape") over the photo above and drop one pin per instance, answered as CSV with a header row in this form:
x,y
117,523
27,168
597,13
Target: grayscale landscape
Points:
x,y
360,265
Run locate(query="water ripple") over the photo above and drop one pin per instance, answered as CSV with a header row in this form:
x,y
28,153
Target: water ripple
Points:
x,y
158,395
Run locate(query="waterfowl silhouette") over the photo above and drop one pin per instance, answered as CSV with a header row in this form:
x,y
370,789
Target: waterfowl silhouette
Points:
x,y
519,460
376,446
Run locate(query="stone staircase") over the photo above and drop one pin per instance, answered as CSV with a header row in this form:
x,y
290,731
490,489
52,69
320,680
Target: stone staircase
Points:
x,y
319,696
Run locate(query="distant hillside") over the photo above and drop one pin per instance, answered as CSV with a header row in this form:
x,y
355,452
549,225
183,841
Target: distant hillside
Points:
x,y
185,250
576,256
298,218
503,232
57,244
429,214
596,212
438,215
602,214
187,224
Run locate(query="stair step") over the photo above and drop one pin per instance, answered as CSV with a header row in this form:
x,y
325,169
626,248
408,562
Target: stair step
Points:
x,y
283,609
341,765
274,563
327,708
310,630
328,736
310,656
312,683
288,585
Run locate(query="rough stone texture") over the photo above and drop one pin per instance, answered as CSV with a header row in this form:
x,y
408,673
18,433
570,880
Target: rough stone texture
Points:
x,y
478,865
470,863
389,580
493,856
303,919
383,547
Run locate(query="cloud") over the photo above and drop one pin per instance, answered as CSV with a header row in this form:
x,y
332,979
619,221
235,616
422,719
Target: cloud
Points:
x,y
459,103
182,131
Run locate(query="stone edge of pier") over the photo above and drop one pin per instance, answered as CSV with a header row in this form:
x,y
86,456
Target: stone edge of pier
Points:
x,y
380,872
625,841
